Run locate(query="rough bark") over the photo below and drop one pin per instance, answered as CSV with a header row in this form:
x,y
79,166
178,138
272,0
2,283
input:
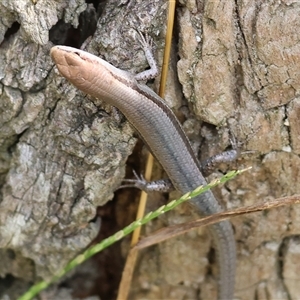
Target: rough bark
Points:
x,y
62,154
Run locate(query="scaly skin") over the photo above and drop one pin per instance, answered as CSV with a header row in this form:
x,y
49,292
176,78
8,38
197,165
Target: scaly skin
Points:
x,y
161,131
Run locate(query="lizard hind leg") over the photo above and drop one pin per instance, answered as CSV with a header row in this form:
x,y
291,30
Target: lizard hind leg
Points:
x,y
162,185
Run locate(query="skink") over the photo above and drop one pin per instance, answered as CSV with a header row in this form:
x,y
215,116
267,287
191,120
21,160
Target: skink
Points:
x,y
162,133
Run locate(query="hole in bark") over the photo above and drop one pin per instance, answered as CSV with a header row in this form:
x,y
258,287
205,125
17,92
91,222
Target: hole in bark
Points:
x,y
65,34
281,254
11,254
58,32
12,287
95,3
212,260
12,30
6,283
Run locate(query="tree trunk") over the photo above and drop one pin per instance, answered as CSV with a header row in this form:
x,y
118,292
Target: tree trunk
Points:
x,y
234,73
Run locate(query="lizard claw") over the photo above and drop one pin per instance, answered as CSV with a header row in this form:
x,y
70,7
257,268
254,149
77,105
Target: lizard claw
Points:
x,y
145,40
163,185
139,182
